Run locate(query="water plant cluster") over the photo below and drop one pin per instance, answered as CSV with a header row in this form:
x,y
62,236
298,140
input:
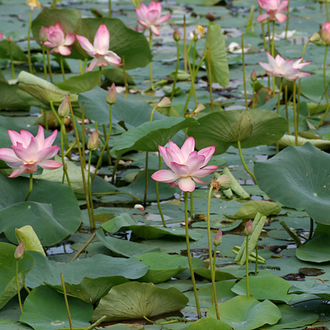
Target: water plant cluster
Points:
x,y
164,165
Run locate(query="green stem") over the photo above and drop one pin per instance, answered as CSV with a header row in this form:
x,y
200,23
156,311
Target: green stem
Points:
x,y
214,259
116,193
176,69
210,77
29,43
291,233
53,6
30,188
325,87
273,54
99,161
210,252
257,256
244,81
247,267
82,166
11,59
125,78
44,61
278,112
83,247
286,107
327,10
18,288
106,145
150,64
253,92
89,187
191,205
100,75
263,31
152,112
62,67
185,55
189,255
146,180
157,192
268,27
49,67
67,152
295,114
163,323
84,66
287,21
114,170
192,77
110,8
311,228
66,302
95,324
243,161
65,170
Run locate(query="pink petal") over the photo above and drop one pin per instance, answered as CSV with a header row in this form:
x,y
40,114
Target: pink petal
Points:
x,y
164,176
85,44
198,180
47,153
283,6
16,172
50,164
179,169
280,17
272,62
22,153
142,12
164,18
152,16
113,58
172,157
50,140
69,39
33,147
163,153
41,137
262,17
64,50
92,64
176,150
102,40
205,171
15,137
266,66
207,153
187,184
143,23
154,30
188,147
195,163
8,155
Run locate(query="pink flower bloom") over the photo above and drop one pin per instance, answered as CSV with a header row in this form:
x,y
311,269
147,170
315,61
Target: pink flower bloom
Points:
x,y
100,50
186,165
1,35
149,17
29,152
58,40
284,68
274,10
325,33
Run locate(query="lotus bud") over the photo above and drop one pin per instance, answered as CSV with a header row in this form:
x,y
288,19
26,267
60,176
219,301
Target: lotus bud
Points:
x,y
176,35
9,39
254,76
64,108
245,127
315,37
93,141
19,252
30,239
1,35
139,207
325,33
210,16
248,228
112,94
43,34
224,181
164,103
200,107
217,238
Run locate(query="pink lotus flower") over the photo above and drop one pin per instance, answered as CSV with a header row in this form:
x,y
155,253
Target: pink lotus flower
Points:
x,y
58,40
29,152
100,50
284,68
186,165
274,10
325,33
149,17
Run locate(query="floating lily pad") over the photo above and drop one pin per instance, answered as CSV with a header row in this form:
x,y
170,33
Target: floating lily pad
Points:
x,y
134,300
298,177
44,309
219,276
8,286
321,290
247,313
315,249
209,324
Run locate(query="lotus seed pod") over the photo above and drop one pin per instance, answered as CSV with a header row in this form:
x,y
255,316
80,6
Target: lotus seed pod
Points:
x,y
224,181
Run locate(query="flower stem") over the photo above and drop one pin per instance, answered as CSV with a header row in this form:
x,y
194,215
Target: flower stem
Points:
x,y
263,31
100,75
273,54
191,205
150,64
327,10
66,302
99,161
62,67
11,59
125,78
210,77
157,192
53,6
286,107
189,255
110,8
83,247
257,256
325,87
295,114
89,187
214,289
185,55
278,112
192,77
29,42
243,161
18,288
287,21
49,67
65,170
269,46
176,69
30,188
44,61
244,81
214,259
247,266
253,92
146,180
115,169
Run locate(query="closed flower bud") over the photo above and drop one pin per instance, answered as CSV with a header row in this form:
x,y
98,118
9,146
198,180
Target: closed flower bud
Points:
x,y
112,94
164,103
254,76
217,238
43,34
315,37
325,33
64,108
224,181
200,107
248,228
93,141
19,252
176,35
139,207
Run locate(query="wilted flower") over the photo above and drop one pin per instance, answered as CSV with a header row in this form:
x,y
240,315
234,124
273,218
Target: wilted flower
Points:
x,y
284,68
112,94
197,33
33,4
274,10
210,16
186,165
248,228
224,181
325,33
100,50
165,102
19,252
29,152
150,17
58,40
217,238
93,141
